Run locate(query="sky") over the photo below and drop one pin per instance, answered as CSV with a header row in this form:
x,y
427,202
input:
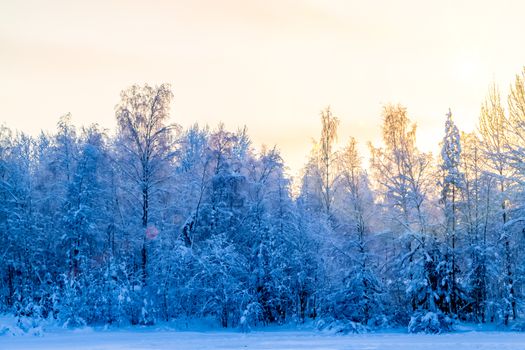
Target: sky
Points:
x,y
270,65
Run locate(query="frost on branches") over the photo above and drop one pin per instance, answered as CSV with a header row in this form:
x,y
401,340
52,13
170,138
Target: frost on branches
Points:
x,y
158,223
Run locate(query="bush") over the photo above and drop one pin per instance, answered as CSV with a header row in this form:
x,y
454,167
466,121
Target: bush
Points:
x,y
430,322
341,326
250,316
518,326
19,326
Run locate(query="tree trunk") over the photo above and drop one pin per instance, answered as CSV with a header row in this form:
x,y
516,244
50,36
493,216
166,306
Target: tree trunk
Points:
x,y
144,226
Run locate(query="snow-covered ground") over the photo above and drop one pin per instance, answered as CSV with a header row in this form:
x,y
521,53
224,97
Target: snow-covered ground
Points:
x,y
279,340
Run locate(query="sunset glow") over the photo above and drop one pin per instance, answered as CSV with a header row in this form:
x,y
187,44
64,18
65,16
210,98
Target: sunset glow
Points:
x,y
272,65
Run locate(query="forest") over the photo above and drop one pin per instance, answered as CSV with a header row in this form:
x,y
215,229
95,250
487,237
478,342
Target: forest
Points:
x,y
155,223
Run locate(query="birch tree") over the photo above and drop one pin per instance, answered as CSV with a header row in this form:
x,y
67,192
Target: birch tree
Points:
x,y
145,148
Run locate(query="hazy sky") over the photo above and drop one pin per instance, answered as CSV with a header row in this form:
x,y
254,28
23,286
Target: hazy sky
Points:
x,y
272,65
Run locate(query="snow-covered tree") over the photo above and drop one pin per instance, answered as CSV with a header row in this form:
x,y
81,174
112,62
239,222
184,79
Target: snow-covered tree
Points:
x,y
144,144
358,295
403,177
493,127
452,187
322,164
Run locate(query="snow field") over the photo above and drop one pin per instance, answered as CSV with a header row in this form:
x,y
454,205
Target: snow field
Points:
x,y
278,340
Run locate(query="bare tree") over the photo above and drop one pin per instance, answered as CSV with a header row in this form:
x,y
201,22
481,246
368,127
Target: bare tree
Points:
x,y
145,144
326,157
493,128
402,175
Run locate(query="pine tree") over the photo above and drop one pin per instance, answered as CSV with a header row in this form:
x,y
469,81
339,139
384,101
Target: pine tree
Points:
x,y
451,195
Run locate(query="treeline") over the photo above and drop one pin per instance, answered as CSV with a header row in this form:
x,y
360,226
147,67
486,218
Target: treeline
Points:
x,y
157,223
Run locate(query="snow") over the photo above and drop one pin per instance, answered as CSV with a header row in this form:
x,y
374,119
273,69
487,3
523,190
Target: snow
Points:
x,y
145,338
